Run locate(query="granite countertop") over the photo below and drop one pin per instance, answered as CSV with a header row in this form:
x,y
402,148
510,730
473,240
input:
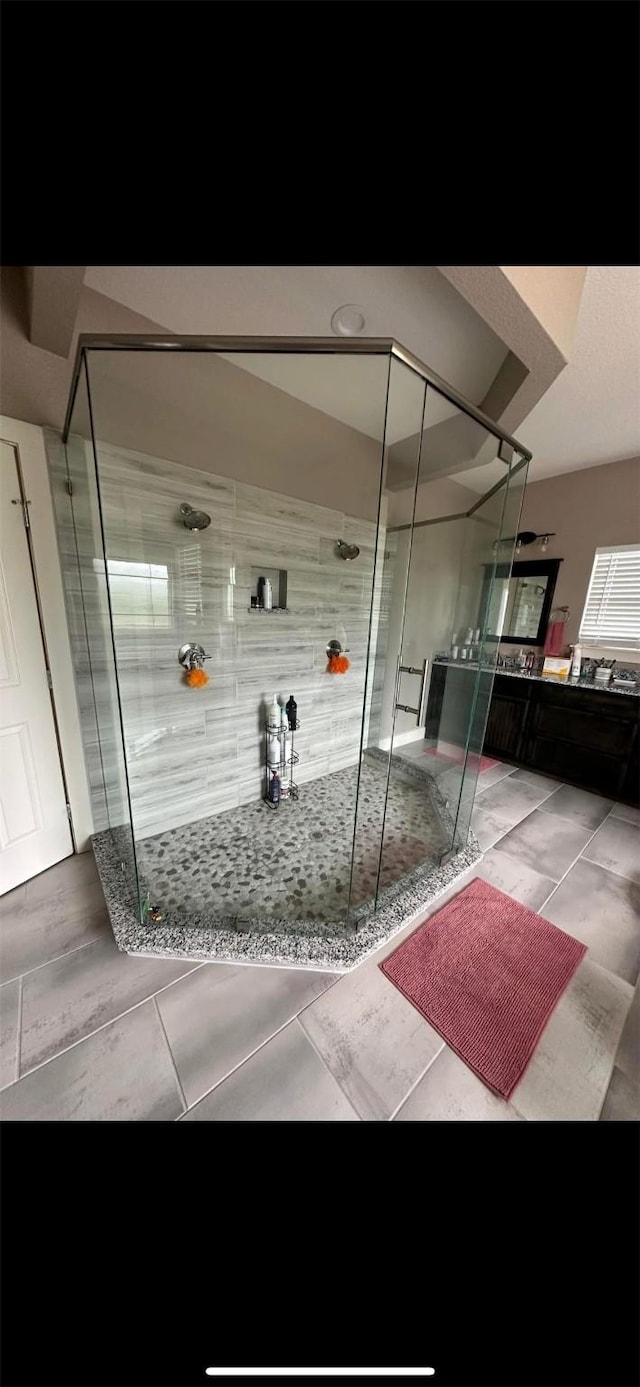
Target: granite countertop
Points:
x,y
627,690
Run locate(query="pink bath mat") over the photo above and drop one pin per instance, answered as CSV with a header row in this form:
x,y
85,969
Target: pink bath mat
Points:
x,y
447,751
486,973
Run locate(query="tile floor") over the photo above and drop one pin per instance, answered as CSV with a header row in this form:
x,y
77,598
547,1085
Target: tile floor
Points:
x,y
89,1033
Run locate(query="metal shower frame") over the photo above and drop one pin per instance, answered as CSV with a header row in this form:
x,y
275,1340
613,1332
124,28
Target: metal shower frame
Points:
x,y
372,346
358,346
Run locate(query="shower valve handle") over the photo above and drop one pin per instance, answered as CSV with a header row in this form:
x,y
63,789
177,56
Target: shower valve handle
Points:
x,y
192,656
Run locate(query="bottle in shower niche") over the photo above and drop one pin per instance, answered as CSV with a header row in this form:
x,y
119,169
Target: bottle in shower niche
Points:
x,y
292,712
267,594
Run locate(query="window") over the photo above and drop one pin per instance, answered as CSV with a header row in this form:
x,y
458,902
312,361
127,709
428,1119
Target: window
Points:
x,y
612,610
139,594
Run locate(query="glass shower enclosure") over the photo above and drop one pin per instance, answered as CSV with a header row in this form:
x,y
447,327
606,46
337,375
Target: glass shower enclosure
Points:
x,y
244,526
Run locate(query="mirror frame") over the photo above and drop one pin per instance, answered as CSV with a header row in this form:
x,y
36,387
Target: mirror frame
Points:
x,y
523,568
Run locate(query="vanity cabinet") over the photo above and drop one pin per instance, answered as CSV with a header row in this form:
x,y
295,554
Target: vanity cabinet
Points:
x,y
586,737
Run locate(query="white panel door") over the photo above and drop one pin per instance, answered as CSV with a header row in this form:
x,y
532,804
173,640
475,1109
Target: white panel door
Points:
x,y
34,827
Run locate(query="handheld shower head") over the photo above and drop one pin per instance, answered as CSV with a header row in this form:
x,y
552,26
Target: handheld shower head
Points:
x,y
347,551
194,519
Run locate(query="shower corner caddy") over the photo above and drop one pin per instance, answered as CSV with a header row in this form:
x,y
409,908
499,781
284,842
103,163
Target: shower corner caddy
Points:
x,y
285,762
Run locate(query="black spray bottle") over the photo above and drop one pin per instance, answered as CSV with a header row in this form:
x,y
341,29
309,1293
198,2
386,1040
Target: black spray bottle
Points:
x,y
291,709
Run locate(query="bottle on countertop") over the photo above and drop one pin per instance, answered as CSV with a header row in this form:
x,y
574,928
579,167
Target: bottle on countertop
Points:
x,y
292,712
521,659
576,661
454,646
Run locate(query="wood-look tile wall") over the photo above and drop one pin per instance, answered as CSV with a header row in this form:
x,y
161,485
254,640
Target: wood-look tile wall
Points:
x,y
195,752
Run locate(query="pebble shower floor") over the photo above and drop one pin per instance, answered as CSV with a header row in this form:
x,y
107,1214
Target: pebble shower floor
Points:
x,y
297,862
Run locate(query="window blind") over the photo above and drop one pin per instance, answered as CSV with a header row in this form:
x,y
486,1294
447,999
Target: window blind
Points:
x,y
612,610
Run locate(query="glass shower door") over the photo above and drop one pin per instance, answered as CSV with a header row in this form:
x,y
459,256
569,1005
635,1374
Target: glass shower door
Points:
x,y
445,665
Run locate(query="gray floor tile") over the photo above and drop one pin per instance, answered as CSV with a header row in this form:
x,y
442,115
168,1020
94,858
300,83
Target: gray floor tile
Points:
x,y
622,1103
627,812
123,1073
450,1092
536,778
578,806
492,776
488,828
501,807
513,877
372,1039
511,800
218,1016
41,930
628,1056
9,1006
568,1075
546,843
12,900
68,999
70,874
284,1081
603,910
617,846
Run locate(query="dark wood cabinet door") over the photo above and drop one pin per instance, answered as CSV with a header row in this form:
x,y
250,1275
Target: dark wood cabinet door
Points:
x,y
503,736
585,738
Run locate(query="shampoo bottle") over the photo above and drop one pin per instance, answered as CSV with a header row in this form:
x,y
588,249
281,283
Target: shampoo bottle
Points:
x,y
292,712
576,661
267,595
273,718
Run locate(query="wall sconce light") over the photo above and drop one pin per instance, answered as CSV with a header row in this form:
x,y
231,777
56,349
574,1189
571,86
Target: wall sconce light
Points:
x,y
526,537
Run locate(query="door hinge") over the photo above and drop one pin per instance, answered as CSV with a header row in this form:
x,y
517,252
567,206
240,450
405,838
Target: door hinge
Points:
x,y
69,812
49,680
70,486
25,513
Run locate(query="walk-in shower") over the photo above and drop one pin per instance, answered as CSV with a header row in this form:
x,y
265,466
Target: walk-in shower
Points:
x,y
199,488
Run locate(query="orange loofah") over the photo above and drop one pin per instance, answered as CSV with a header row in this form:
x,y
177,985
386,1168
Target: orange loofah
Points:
x,y
196,678
338,664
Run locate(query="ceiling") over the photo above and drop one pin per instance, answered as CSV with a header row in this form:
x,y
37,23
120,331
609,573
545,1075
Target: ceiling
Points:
x,y
591,413
414,304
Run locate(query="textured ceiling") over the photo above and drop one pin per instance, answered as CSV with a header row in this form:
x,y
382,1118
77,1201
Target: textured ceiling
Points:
x,y
591,413
414,304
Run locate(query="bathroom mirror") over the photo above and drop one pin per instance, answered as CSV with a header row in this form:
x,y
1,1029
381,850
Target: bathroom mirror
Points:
x,y
520,603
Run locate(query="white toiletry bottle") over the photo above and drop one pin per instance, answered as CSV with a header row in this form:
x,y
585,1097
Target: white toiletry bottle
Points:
x,y
273,718
454,646
267,595
274,751
576,661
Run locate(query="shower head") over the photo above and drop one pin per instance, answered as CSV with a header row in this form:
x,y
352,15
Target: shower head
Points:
x,y
194,519
347,551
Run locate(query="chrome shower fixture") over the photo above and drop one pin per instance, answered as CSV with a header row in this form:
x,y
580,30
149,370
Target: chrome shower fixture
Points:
x,y
194,519
347,551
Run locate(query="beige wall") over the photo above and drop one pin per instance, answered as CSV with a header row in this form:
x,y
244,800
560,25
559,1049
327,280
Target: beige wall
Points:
x,y
553,293
588,509
434,500
34,383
